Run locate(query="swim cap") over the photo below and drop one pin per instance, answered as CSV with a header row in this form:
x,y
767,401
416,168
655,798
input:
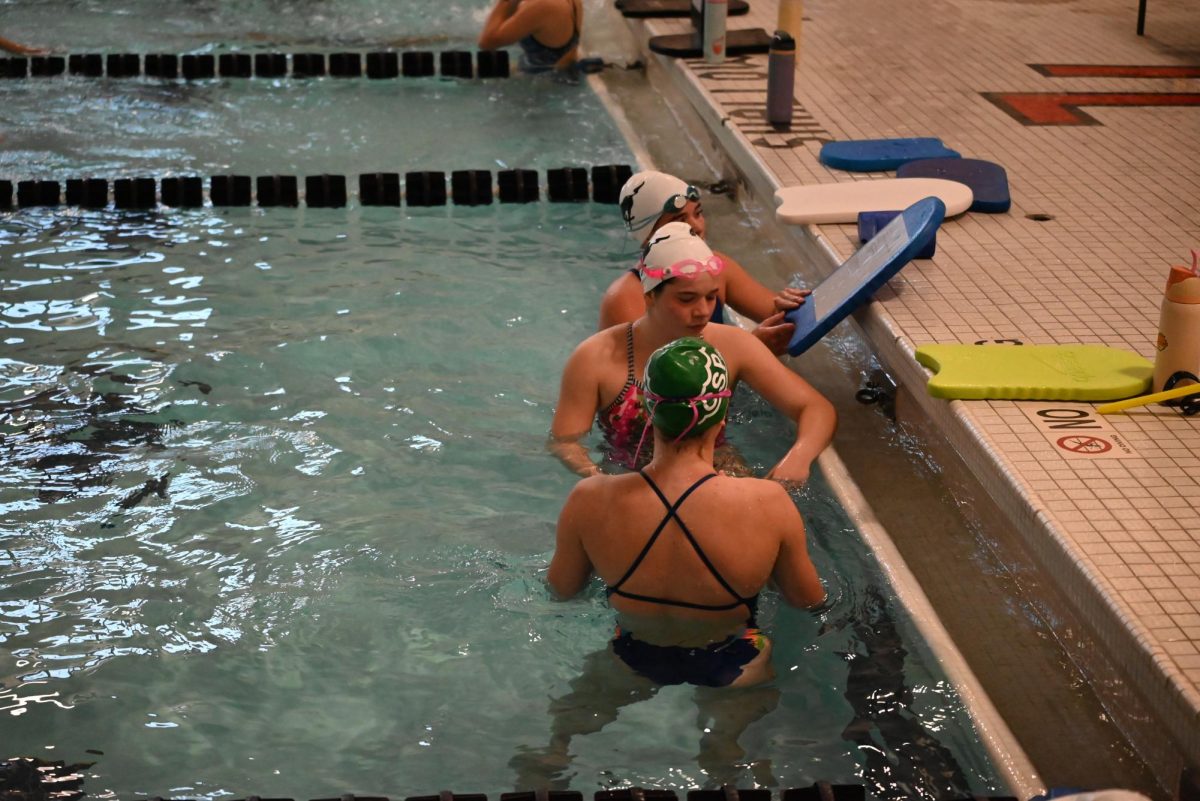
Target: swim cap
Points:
x,y
649,194
686,387
674,251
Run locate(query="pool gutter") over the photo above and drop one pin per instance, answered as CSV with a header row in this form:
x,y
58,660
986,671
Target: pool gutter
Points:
x,y
679,84
1002,746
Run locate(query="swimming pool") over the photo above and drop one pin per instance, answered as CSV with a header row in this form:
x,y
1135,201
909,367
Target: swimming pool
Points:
x,y
276,502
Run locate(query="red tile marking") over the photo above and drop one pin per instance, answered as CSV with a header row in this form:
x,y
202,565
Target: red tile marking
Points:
x,y
1116,71
1062,108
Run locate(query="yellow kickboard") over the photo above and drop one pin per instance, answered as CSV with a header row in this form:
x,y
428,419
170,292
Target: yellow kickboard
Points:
x,y
1035,372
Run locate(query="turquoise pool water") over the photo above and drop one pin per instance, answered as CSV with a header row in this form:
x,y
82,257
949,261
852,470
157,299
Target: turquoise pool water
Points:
x,y
274,501
341,589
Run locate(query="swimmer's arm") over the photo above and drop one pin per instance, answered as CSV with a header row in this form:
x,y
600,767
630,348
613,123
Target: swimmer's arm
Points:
x,y
577,404
621,302
795,398
794,574
20,49
745,294
508,23
572,453
570,568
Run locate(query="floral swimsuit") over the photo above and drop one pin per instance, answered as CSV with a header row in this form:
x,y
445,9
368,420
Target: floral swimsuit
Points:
x,y
624,420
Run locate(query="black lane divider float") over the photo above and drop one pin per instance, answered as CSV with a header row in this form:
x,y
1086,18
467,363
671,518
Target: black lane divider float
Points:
x,y
35,779
427,188
194,67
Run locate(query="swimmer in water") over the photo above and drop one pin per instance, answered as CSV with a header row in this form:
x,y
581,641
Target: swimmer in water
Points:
x,y
650,200
683,553
547,32
680,280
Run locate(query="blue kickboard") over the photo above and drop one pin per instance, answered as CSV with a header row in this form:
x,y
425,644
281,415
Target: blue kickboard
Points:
x,y
988,180
880,155
872,222
855,281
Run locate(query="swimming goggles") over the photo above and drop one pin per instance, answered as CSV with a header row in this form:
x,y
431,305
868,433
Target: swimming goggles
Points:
x,y
677,202
688,268
673,204
695,401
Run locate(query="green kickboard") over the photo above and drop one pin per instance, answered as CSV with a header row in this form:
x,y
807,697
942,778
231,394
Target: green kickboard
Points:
x,y
1035,372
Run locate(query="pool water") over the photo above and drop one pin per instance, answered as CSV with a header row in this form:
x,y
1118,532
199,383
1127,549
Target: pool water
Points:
x,y
349,409
201,25
67,128
274,494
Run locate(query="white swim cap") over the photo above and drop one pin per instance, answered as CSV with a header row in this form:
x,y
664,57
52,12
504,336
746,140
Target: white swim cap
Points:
x,y
674,251
649,194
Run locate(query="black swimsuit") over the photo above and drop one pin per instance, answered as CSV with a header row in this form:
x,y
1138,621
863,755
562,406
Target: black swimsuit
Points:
x,y
714,665
538,57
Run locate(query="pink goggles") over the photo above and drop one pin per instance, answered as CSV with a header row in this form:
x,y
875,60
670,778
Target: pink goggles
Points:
x,y
692,402
688,268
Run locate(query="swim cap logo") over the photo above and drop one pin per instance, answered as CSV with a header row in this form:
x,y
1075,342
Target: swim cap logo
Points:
x,y
716,381
627,204
650,245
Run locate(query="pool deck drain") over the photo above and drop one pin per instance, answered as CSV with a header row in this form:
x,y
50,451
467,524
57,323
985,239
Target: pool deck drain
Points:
x,y
1103,171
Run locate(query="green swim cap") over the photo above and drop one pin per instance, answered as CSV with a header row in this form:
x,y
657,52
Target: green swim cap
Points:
x,y
686,387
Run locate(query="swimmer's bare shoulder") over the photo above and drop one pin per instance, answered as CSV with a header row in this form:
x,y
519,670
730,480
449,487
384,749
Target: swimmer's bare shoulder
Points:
x,y
622,302
765,500
584,382
794,574
606,341
594,354
592,501
731,338
742,350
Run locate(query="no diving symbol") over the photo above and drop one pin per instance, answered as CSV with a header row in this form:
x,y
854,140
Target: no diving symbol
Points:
x,y
1084,445
1077,432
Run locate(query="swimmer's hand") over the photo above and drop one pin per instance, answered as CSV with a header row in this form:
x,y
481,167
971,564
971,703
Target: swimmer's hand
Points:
x,y
791,470
571,451
790,298
775,333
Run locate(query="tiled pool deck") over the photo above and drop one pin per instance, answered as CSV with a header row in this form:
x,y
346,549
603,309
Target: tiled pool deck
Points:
x,y
1119,527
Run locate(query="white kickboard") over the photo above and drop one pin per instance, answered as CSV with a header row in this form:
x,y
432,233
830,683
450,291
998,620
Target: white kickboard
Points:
x,y
841,203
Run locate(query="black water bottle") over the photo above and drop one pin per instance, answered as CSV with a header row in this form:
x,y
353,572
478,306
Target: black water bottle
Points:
x,y
781,79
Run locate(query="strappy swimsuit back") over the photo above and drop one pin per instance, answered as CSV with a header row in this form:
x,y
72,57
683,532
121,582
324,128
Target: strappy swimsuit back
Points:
x,y
538,57
750,603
